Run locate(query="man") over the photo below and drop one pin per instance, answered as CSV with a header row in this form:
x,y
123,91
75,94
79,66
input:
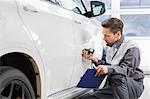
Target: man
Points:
x,y
120,62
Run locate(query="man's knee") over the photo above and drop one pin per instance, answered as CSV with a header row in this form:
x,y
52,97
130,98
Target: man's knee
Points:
x,y
117,80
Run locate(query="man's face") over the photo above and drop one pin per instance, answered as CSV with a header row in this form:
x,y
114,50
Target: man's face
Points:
x,y
109,37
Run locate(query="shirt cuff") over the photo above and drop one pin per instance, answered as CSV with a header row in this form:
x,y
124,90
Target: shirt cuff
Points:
x,y
110,70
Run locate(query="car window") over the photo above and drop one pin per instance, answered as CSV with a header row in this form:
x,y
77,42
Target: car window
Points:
x,y
134,3
76,10
136,25
72,6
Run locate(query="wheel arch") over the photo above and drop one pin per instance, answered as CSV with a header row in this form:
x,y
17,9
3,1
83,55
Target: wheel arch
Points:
x,y
27,65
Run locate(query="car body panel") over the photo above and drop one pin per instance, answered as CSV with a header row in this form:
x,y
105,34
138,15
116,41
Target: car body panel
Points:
x,y
53,36
14,37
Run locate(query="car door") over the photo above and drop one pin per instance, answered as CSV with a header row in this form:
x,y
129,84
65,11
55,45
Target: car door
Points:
x,y
51,29
86,34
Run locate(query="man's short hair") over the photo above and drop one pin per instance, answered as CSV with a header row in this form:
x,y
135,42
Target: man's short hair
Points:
x,y
113,24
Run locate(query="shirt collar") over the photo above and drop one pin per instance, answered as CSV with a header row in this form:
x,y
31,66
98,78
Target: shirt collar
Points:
x,y
119,42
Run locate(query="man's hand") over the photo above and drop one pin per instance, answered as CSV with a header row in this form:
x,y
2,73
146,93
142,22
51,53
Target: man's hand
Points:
x,y
89,56
101,69
86,55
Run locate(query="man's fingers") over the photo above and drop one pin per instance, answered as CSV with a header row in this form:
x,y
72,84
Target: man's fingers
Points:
x,y
82,53
98,71
102,72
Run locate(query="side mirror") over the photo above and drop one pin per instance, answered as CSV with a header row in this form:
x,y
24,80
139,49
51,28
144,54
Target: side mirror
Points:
x,y
97,8
77,10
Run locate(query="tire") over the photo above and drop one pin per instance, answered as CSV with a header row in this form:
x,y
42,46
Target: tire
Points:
x,y
14,84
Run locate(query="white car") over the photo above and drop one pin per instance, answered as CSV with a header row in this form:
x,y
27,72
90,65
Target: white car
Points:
x,y
40,49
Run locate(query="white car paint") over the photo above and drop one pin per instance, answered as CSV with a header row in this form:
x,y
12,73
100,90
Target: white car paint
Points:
x,y
53,37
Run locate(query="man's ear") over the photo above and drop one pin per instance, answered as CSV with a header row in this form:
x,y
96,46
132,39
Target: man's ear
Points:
x,y
118,34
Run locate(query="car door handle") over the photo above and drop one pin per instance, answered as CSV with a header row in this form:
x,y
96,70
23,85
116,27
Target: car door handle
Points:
x,y
77,22
29,9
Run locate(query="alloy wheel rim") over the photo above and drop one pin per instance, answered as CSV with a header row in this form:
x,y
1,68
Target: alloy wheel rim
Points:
x,y
15,89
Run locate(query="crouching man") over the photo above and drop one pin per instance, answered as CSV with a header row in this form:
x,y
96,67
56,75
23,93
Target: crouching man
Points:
x,y
120,61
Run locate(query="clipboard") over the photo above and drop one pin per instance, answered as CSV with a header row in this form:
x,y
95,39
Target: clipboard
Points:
x,y
89,80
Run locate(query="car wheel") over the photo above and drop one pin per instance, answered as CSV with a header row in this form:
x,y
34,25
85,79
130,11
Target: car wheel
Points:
x,y
14,84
